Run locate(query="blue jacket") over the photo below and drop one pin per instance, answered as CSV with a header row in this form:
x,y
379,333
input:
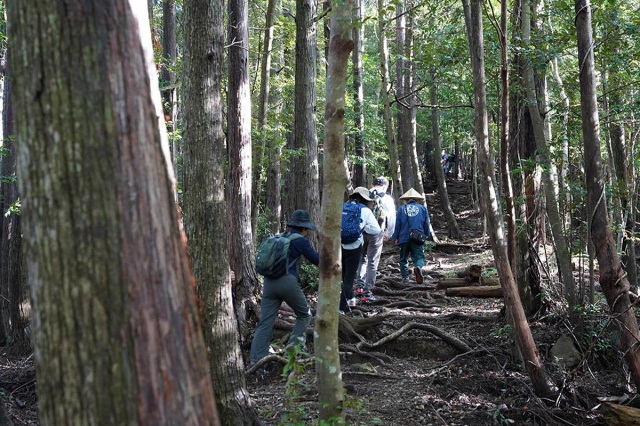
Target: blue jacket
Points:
x,y
410,216
300,247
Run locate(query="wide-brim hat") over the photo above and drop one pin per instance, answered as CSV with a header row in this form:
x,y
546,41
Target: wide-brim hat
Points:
x,y
301,219
412,194
363,192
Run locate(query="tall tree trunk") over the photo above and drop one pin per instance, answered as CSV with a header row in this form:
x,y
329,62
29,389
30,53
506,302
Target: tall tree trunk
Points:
x,y
306,178
273,197
13,282
359,166
623,187
389,128
263,105
114,309
404,118
330,391
563,256
205,206
542,385
239,185
168,76
445,204
507,188
613,279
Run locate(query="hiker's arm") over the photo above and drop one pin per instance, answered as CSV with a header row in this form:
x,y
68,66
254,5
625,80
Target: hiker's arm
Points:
x,y
371,225
307,251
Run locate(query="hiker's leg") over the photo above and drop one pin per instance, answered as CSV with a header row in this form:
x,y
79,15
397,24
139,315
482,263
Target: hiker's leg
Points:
x,y
268,311
361,274
350,259
417,255
404,260
292,294
374,250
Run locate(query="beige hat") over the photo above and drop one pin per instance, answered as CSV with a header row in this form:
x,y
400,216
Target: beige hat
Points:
x,y
412,194
363,192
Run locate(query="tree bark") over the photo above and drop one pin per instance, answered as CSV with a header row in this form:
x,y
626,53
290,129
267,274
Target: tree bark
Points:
x,y
563,256
613,279
360,165
542,385
389,128
168,76
330,391
507,187
13,280
242,257
306,139
205,206
114,309
263,105
445,204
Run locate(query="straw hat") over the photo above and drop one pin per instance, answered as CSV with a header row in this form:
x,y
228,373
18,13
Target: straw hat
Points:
x,y
412,194
362,191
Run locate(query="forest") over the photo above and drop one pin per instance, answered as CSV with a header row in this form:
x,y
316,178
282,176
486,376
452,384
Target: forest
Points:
x,y
149,147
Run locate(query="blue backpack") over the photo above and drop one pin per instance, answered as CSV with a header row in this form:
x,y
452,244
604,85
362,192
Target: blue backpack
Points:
x,y
351,222
273,255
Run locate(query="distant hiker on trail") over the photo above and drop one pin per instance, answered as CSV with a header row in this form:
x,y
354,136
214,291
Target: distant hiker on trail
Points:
x,y
357,218
286,288
384,209
444,161
412,227
451,160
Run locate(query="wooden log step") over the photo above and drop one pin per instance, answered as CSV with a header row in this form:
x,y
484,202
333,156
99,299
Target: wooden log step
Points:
x,y
476,291
463,282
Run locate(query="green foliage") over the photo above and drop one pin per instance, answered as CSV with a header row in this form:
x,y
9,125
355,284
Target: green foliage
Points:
x,y
503,333
309,275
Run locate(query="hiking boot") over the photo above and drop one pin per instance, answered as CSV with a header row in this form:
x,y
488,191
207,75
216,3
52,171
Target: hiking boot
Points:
x,y
418,273
369,298
352,302
405,280
359,290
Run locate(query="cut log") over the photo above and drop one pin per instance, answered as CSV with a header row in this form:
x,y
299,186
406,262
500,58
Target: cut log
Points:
x,y
476,291
462,282
619,415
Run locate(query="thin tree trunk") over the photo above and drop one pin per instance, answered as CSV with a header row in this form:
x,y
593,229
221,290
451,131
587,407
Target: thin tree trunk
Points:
x,y
306,139
168,77
445,204
359,166
114,310
263,105
542,385
205,206
239,185
613,279
389,128
273,197
507,188
330,391
563,255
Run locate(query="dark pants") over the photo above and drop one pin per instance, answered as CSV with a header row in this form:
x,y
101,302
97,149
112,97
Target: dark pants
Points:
x,y
350,261
416,252
276,291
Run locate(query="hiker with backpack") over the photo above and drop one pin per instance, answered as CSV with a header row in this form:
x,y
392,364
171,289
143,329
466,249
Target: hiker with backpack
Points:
x,y
411,231
357,218
277,260
384,210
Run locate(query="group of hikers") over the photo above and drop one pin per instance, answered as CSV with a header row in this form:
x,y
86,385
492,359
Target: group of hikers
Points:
x,y
369,218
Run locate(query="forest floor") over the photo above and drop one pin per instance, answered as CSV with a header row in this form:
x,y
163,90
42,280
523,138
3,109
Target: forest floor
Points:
x,y
417,378
420,374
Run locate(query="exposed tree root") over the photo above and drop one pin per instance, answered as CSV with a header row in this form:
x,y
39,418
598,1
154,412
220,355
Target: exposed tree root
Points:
x,y
456,343
378,357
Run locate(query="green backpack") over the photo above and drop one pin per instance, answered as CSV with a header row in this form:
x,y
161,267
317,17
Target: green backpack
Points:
x,y
272,256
